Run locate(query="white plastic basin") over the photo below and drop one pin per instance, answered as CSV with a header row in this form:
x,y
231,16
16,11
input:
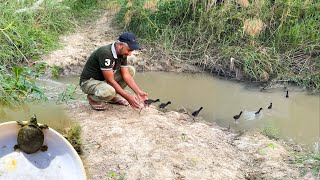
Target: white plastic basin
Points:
x,y
59,162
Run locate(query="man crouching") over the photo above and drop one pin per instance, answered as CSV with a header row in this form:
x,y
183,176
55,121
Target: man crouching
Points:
x,y
106,74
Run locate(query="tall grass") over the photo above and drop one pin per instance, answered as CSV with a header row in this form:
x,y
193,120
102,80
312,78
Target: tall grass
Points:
x,y
269,40
29,29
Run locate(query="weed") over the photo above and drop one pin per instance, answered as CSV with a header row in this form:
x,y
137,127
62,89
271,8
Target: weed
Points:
x,y
112,175
73,135
308,162
67,94
18,84
270,131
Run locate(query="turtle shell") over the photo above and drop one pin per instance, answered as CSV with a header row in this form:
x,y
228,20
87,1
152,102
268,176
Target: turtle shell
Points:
x,y
30,139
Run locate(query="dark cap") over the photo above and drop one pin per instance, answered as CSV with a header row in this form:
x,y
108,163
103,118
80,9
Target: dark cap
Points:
x,y
130,39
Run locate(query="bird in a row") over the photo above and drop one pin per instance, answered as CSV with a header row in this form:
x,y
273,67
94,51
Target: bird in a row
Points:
x,y
150,101
147,103
195,113
235,117
163,105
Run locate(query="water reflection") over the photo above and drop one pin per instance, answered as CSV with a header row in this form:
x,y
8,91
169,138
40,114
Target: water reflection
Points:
x,y
51,114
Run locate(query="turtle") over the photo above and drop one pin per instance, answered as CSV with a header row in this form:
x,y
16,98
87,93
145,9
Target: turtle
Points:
x,y
31,137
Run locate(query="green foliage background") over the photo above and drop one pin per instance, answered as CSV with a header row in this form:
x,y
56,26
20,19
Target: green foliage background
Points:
x,y
287,48
27,31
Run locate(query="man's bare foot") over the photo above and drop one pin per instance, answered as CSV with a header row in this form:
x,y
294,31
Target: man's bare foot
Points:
x,y
99,106
119,101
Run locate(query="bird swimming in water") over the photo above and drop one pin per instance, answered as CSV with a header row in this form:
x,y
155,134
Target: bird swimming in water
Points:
x,y
150,101
163,105
195,113
235,117
270,106
258,111
287,95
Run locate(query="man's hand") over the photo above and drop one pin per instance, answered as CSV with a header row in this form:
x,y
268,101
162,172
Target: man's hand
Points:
x,y
134,102
142,96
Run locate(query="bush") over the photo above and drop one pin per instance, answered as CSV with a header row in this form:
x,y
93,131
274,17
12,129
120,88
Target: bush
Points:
x,y
18,84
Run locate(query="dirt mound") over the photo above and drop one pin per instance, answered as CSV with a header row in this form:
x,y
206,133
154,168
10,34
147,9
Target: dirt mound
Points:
x,y
157,145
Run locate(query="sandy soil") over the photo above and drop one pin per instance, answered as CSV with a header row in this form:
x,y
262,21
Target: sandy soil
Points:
x,y
121,143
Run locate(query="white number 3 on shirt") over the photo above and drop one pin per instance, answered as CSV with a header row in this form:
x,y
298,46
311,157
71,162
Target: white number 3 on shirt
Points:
x,y
107,62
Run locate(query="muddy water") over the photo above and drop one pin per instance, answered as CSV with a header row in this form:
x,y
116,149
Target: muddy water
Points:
x,y
51,114
296,117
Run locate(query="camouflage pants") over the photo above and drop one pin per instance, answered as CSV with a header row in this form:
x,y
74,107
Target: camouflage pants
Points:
x,y
101,90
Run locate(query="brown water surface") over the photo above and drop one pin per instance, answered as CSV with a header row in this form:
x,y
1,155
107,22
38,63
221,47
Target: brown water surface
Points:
x,y
47,113
296,117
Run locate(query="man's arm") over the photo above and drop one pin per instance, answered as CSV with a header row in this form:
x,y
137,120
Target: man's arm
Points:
x,y
132,84
109,77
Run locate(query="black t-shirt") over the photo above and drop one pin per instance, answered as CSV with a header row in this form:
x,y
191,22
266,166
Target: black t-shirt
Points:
x,y
101,59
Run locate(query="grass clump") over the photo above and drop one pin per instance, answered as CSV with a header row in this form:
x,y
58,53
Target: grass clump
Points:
x,y
68,94
271,132
309,162
113,175
73,135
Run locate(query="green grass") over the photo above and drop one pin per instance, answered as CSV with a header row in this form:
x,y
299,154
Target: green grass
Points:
x,y
28,31
271,131
67,95
113,175
284,46
308,162
73,135
27,34
18,84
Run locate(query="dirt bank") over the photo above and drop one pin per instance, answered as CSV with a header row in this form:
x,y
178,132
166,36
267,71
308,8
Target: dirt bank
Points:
x,y
121,143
